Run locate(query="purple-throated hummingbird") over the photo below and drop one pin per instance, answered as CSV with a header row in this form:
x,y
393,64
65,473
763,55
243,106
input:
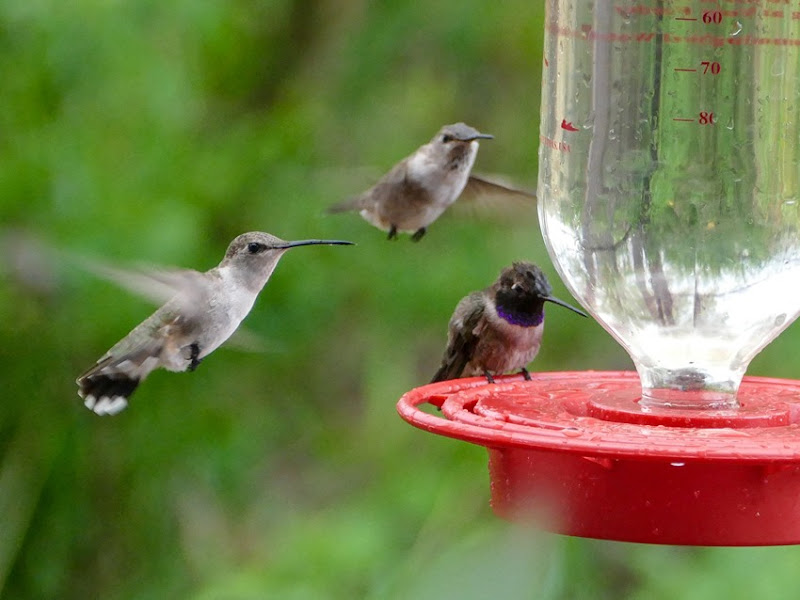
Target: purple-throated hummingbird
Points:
x,y
499,329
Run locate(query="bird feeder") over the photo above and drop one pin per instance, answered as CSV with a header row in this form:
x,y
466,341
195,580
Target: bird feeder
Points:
x,y
668,201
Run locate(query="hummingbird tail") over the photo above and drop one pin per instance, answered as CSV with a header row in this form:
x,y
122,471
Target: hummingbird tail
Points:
x,y
106,387
349,205
440,375
452,367
461,344
106,394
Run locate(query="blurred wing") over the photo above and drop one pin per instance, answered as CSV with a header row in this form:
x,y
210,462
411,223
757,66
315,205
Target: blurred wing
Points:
x,y
157,284
462,341
186,291
30,261
245,340
483,198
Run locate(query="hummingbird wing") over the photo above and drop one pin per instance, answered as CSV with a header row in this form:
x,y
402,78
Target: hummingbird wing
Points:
x,y
162,284
462,337
480,187
482,197
154,283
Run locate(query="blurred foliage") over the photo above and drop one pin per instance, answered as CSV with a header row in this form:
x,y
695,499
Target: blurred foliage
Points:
x,y
157,131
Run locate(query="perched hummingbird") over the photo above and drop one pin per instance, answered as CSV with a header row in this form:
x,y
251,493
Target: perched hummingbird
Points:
x,y
418,189
499,329
204,311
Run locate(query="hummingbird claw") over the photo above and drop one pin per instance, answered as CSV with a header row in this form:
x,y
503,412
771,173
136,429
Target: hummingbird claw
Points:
x,y
418,234
525,374
489,378
392,233
194,352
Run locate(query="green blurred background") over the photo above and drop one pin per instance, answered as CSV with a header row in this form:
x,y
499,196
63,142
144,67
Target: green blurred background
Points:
x,y
156,132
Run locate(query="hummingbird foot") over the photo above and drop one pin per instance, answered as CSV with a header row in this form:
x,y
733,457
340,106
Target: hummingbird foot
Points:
x,y
194,352
526,374
392,233
489,378
418,234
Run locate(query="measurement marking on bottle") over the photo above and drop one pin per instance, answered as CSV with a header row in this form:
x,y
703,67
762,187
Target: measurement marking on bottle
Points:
x,y
708,67
702,118
706,118
709,17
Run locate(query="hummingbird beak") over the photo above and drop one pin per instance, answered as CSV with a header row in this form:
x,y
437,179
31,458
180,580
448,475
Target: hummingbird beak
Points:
x,y
555,300
288,245
480,136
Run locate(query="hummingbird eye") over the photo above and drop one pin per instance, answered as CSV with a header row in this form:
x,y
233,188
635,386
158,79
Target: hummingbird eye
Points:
x,y
255,247
447,138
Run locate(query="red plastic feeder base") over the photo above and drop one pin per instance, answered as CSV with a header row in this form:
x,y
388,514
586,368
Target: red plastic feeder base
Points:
x,y
575,452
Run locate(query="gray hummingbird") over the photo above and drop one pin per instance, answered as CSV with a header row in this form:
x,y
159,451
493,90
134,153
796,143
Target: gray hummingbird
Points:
x,y
499,329
203,312
418,189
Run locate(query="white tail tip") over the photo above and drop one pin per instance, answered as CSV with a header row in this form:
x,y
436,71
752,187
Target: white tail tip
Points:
x,y
106,405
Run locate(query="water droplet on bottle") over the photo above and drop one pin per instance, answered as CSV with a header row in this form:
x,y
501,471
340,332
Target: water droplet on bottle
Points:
x,y
737,29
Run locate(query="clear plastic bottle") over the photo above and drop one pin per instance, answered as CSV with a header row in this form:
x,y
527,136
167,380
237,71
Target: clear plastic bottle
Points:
x,y
669,183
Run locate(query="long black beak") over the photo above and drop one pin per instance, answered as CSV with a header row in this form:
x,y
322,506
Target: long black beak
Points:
x,y
555,300
317,243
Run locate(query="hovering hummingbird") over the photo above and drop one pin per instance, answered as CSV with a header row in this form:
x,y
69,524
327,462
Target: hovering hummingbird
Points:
x,y
418,189
204,311
499,329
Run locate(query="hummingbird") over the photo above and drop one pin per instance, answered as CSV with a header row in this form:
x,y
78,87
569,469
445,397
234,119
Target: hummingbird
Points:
x,y
418,189
204,311
499,329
